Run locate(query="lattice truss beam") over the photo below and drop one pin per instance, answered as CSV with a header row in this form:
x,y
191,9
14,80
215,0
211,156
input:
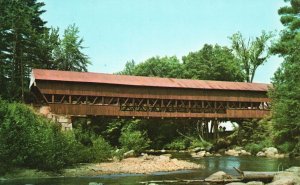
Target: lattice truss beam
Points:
x,y
156,105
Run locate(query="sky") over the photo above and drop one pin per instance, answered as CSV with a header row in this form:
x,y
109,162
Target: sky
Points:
x,y
117,31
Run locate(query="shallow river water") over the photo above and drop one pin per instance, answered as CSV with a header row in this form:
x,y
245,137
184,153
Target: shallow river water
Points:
x,y
211,164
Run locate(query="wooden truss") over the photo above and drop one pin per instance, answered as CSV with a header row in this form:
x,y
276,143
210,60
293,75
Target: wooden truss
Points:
x,y
156,105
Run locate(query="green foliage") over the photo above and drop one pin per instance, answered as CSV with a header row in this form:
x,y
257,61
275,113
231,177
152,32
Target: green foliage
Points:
x,y
286,147
254,148
68,55
155,66
20,27
178,144
285,93
183,143
28,140
132,139
212,63
199,143
101,150
253,134
252,53
27,43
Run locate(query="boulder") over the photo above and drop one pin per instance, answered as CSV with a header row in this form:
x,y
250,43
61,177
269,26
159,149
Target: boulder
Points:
x,y
261,154
199,154
270,151
130,153
244,153
207,154
95,183
218,176
286,178
279,156
197,149
294,169
249,183
285,181
255,183
232,152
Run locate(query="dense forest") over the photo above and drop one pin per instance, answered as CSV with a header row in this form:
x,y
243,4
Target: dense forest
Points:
x,y
26,43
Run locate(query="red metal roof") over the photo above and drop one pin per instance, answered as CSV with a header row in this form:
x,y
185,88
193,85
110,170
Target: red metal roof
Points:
x,y
88,77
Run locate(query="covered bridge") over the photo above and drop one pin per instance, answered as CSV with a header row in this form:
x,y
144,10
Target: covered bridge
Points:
x,y
96,94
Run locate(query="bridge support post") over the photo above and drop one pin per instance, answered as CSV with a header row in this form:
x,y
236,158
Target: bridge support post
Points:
x,y
216,129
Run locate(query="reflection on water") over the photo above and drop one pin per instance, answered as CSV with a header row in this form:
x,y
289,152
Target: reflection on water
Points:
x,y
212,164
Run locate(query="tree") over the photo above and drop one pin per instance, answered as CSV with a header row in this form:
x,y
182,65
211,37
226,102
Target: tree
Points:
x,y
212,63
252,53
129,68
68,56
48,42
160,66
156,66
285,93
20,23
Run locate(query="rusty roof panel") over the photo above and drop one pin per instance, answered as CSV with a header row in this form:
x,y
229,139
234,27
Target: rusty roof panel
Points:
x,y
88,77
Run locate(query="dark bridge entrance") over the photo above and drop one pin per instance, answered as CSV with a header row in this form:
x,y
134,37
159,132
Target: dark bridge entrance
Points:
x,y
94,94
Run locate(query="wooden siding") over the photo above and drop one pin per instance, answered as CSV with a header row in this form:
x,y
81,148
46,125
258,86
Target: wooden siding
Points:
x,y
78,98
89,89
95,110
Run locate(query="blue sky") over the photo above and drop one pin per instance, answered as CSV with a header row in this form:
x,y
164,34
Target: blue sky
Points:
x,y
116,31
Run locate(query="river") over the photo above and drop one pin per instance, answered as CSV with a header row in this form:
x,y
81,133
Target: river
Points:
x,y
212,164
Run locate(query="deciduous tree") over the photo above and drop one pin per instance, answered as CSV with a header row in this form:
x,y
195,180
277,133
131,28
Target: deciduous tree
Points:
x,y
212,63
251,53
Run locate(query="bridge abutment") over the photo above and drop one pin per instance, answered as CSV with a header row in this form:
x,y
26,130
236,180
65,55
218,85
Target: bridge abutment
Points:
x,y
64,121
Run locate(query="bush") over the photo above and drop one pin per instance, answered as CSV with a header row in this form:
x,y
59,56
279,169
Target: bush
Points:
x,y
254,148
178,144
101,150
28,140
198,143
133,140
286,147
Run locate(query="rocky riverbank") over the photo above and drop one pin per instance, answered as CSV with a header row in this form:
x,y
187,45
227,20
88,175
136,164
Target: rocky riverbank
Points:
x,y
145,164
290,176
270,152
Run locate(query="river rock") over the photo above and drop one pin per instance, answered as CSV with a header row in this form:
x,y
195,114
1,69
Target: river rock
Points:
x,y
197,149
218,176
198,154
270,151
261,154
95,183
232,152
279,156
248,183
255,183
294,169
208,154
130,153
244,153
163,158
286,178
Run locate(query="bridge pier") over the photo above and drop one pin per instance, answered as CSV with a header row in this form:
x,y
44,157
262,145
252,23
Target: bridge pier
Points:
x,y
64,120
